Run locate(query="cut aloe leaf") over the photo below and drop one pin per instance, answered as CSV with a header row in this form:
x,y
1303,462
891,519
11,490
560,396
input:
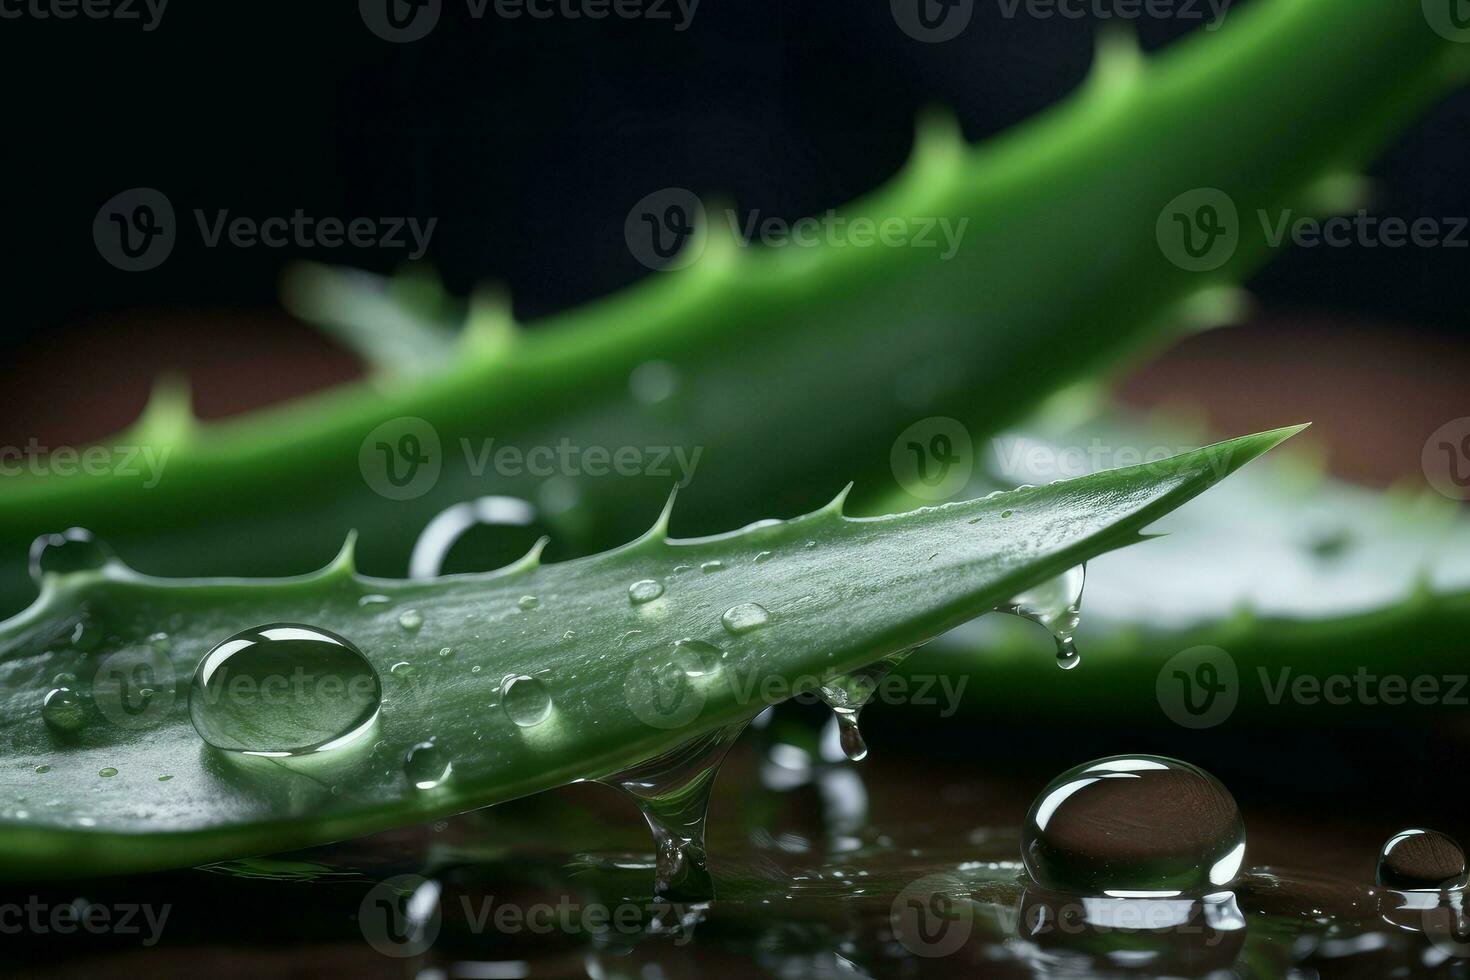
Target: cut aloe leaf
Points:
x,y
1306,576
773,371
493,685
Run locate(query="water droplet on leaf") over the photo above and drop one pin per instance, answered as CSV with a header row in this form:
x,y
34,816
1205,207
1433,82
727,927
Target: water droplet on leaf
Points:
x,y
524,700
427,765
283,689
528,602
745,617
411,620
106,772
644,590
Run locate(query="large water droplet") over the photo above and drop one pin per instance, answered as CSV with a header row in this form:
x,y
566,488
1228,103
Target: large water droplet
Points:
x,y
427,765
74,550
644,590
283,689
846,695
1134,826
524,700
1418,860
62,709
1056,605
673,791
411,620
745,617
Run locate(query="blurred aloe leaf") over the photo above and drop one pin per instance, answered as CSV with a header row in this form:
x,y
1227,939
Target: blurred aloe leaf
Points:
x,y
1283,573
772,371
590,638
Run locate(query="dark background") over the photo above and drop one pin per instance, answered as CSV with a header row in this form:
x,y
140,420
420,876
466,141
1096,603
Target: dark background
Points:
x,y
530,139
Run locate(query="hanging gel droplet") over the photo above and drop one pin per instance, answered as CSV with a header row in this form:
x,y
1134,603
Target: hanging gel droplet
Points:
x,y
1134,826
673,791
283,689
74,550
1056,605
846,695
1421,860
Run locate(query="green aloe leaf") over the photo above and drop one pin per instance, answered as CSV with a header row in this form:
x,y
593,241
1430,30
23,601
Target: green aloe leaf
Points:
x,y
783,367
1307,576
837,593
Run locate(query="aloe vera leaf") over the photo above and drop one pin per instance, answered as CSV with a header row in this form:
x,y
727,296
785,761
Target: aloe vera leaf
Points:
x,y
861,589
1305,574
794,365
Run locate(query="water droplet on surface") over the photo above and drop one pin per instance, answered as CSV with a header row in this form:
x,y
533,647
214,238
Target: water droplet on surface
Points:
x,y
527,602
745,617
64,679
672,791
107,771
402,669
62,710
1055,605
427,765
43,769
74,550
411,620
762,556
524,700
373,600
165,777
1133,827
644,590
711,566
283,689
846,695
1421,860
